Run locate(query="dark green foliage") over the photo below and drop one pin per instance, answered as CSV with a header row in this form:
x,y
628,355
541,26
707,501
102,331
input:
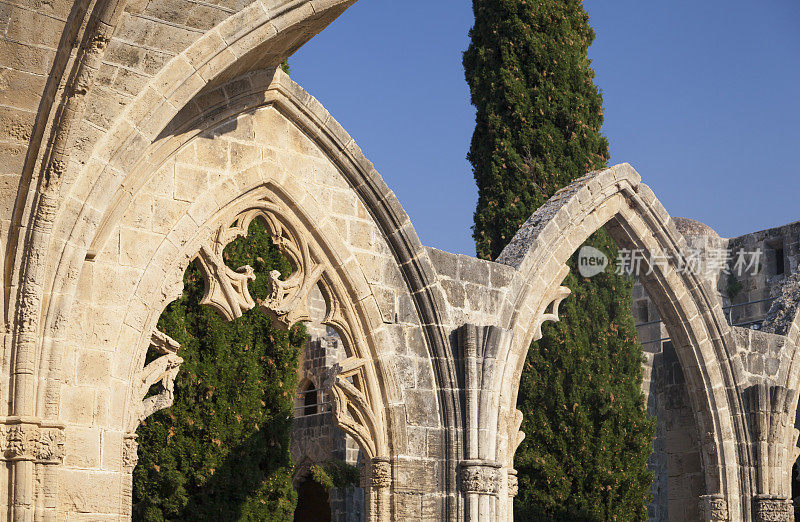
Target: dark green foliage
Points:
x,y
537,129
221,452
538,111
587,434
334,473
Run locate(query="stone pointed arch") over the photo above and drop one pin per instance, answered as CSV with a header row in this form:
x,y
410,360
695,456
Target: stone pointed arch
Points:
x,y
158,284
90,224
616,199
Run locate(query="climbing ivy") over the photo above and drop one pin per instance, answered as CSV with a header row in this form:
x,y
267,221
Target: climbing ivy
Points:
x,y
221,452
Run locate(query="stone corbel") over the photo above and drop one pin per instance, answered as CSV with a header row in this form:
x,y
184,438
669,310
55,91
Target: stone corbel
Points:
x,y
376,473
513,483
352,411
516,435
160,371
31,439
130,452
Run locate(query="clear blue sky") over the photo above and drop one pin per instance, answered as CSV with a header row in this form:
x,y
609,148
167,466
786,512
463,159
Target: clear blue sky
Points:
x,y
702,98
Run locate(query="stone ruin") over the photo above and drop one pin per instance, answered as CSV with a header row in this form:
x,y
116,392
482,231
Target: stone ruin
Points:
x,y
137,136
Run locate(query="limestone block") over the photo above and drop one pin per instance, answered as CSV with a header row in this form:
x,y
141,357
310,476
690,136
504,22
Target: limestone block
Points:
x,y
112,450
82,447
77,405
84,491
94,368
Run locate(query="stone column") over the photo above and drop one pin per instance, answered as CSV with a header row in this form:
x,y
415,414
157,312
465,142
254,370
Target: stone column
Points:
x,y
376,480
480,482
35,449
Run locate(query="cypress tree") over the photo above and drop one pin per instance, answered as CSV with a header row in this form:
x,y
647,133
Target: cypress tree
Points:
x,y
538,124
221,452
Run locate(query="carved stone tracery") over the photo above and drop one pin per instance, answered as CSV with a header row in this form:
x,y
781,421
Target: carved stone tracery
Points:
x,y
287,301
352,411
225,289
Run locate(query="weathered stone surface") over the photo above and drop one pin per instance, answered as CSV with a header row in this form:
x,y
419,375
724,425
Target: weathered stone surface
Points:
x,y
177,130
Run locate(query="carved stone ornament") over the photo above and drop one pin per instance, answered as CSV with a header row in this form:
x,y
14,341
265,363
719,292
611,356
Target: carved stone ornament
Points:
x,y
377,473
21,441
715,507
772,509
130,452
27,439
555,296
161,371
513,483
225,289
287,301
51,445
352,411
480,478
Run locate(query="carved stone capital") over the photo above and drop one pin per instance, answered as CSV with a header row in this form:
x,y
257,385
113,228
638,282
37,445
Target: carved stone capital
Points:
x,y
772,509
715,507
50,447
513,483
130,452
377,473
29,439
480,477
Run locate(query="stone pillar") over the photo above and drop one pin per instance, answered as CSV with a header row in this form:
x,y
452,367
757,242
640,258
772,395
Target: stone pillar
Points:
x,y
34,449
715,508
376,480
772,509
480,483
130,457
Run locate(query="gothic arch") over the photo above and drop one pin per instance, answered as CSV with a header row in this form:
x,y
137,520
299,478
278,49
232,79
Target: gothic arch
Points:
x,y
616,198
261,35
114,183
159,280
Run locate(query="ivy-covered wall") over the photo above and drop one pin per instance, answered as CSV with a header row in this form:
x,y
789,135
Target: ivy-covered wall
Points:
x,y
221,452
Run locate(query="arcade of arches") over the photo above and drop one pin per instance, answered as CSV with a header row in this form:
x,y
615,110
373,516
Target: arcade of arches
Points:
x,y
139,136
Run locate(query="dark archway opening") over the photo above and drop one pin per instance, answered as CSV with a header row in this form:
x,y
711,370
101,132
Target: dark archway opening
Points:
x,y
313,502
